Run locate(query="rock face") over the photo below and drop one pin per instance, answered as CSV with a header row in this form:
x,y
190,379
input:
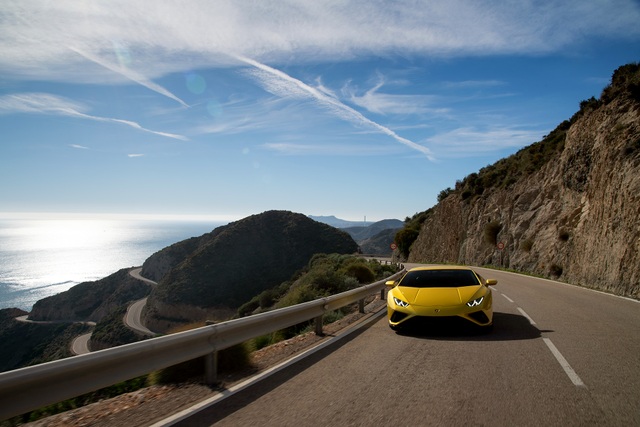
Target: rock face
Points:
x,y
577,217
233,264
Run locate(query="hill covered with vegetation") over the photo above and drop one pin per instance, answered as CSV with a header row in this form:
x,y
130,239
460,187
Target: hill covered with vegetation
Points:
x,y
234,263
91,300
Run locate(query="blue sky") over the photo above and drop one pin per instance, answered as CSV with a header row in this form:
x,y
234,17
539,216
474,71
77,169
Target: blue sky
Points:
x,y
226,109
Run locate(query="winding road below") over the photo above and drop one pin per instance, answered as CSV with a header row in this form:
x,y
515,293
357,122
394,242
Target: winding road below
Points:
x,y
558,355
133,319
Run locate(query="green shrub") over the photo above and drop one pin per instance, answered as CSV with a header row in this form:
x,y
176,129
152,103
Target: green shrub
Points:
x,y
267,298
111,331
491,230
267,340
526,245
332,316
299,294
632,146
563,235
249,307
405,238
555,270
361,272
444,194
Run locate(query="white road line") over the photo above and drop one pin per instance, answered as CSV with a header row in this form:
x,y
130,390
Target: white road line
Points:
x,y
526,315
575,379
507,298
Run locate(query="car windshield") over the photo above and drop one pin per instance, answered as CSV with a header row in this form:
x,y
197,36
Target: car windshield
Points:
x,y
439,279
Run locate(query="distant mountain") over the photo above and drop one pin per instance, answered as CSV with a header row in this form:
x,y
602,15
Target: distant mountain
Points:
x,y
380,243
209,277
377,238
340,223
373,238
362,233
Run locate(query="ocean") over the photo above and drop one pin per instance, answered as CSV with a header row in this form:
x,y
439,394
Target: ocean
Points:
x,y
39,257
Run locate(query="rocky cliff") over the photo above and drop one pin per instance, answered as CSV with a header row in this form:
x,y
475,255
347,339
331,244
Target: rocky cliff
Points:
x,y
567,207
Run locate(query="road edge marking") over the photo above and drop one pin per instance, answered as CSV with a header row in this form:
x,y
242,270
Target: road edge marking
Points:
x,y
507,298
573,376
526,315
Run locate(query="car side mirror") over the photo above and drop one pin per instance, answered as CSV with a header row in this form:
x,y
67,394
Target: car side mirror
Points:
x,y
390,283
491,282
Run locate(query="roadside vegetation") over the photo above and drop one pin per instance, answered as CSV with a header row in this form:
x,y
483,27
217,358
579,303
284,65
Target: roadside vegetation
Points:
x,y
111,331
325,274
409,233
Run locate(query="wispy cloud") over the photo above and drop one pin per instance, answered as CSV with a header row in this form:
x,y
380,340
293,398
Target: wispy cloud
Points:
x,y
469,141
135,155
384,103
293,149
44,103
79,147
282,84
37,34
130,74
466,84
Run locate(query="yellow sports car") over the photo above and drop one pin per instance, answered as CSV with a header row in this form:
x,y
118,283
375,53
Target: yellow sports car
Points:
x,y
428,293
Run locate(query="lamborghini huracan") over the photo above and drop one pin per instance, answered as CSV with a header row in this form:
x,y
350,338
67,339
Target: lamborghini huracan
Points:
x,y
426,294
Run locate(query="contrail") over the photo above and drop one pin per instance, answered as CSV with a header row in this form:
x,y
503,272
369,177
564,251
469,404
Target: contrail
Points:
x,y
43,103
295,86
131,75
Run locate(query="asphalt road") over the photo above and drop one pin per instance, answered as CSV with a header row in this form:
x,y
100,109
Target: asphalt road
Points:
x,y
559,355
80,345
133,318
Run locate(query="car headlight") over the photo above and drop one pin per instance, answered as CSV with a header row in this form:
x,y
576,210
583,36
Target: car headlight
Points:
x,y
400,302
475,302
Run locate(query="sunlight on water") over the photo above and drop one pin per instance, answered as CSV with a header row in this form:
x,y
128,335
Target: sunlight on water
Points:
x,y
39,258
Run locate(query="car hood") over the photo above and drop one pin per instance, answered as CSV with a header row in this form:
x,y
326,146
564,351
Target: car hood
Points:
x,y
438,296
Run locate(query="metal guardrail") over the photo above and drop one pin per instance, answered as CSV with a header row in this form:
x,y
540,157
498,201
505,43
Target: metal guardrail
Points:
x,y
29,388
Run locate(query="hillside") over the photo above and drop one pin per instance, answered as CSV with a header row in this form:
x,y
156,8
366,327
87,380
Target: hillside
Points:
x,y
373,238
234,263
91,300
339,223
25,344
565,207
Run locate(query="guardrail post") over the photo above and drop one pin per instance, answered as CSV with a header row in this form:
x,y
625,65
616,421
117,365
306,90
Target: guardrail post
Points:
x,y
319,326
211,368
361,306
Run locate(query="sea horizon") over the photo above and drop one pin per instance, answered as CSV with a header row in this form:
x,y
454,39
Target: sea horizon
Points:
x,y
42,255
